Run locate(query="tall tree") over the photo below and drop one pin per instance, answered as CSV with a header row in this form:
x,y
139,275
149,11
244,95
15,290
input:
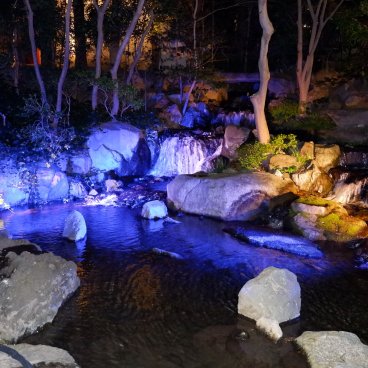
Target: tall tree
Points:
x,y
259,99
31,34
101,11
320,15
65,68
80,35
122,47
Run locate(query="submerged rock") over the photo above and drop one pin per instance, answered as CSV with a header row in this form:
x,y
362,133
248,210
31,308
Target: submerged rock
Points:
x,y
224,196
75,227
32,289
154,210
333,349
166,253
271,298
38,355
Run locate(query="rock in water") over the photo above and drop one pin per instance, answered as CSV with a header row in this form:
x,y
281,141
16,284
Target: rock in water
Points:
x,y
75,227
32,289
40,355
333,349
154,210
273,295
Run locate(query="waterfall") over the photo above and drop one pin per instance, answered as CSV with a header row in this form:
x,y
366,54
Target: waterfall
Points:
x,y
354,159
352,187
235,118
184,155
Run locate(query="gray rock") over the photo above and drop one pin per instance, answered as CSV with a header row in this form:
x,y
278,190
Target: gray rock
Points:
x,y
333,349
53,185
273,296
38,354
77,190
33,288
75,227
307,226
234,137
281,161
228,197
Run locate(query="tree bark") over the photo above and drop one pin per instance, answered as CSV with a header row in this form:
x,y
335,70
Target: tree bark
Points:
x,y
16,59
100,40
123,45
65,68
138,52
31,34
80,35
304,68
259,99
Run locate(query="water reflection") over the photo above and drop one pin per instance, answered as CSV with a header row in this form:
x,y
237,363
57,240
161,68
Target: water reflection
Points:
x,y
136,308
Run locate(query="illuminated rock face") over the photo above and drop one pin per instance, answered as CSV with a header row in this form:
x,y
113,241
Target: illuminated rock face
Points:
x,y
32,290
223,196
75,227
271,298
327,349
118,146
40,355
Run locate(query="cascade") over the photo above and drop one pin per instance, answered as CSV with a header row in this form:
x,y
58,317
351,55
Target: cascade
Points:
x,y
354,159
185,155
352,187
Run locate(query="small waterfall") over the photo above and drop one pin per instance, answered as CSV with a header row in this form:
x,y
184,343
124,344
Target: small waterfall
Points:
x,y
184,155
235,118
351,187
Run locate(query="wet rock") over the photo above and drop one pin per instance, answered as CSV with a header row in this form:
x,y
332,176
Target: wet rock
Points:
x,y
281,161
172,115
228,197
33,287
307,226
327,349
52,185
310,209
166,253
154,210
38,355
76,163
307,150
75,227
271,298
77,190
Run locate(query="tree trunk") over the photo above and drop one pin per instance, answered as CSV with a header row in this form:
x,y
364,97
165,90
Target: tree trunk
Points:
x,y
64,71
304,68
123,45
34,52
259,98
16,59
195,51
80,35
138,52
100,39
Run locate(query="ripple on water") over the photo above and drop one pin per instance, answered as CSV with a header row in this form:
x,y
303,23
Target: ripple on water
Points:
x,y
136,308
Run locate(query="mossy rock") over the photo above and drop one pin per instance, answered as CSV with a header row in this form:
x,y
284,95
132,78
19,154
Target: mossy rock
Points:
x,y
341,227
322,202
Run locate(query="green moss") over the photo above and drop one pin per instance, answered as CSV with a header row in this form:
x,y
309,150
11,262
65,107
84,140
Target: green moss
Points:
x,y
345,225
315,201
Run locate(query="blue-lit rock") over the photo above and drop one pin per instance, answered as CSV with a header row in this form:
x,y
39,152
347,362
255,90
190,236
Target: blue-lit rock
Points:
x,y
286,243
154,210
325,349
75,227
271,298
51,185
32,289
38,355
112,145
224,196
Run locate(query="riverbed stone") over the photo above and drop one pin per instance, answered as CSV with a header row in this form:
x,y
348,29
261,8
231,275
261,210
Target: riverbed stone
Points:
x,y
273,294
32,289
154,210
38,355
225,196
333,349
75,227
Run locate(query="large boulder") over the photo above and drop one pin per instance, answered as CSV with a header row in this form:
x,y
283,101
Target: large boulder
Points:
x,y
271,298
75,227
37,355
117,146
52,185
327,156
333,349
76,163
224,196
32,290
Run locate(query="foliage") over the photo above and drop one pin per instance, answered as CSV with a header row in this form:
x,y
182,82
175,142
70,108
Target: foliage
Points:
x,y
284,111
251,156
43,137
129,95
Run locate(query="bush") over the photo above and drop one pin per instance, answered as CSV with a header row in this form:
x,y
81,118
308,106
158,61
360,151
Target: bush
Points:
x,y
251,156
